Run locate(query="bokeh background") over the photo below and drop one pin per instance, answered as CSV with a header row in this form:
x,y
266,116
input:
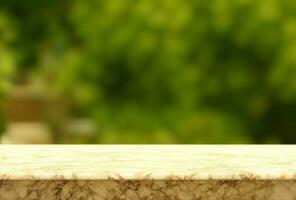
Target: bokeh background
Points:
x,y
148,71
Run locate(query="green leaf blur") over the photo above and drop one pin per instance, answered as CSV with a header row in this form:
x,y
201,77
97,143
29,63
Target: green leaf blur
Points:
x,y
162,71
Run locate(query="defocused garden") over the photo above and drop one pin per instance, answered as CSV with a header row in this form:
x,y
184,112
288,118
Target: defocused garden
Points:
x,y
150,71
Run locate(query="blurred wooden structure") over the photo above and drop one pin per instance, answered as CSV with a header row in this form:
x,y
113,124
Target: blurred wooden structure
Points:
x,y
29,114
37,116
162,172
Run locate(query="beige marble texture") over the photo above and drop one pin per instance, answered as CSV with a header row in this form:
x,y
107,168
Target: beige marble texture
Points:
x,y
148,190
172,172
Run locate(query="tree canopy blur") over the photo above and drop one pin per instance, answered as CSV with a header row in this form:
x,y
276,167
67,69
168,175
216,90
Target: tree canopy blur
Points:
x,y
162,71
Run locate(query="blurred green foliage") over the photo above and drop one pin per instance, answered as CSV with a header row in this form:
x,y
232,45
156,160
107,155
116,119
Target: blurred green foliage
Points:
x,y
163,71
6,54
7,65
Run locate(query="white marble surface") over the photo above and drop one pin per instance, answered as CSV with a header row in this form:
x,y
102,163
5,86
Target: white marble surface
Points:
x,y
133,162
